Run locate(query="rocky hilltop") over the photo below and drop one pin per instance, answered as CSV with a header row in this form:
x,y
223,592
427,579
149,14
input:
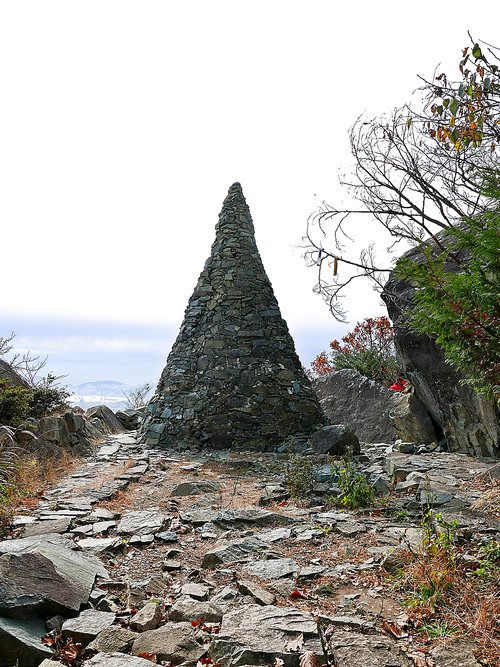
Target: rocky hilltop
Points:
x,y
181,557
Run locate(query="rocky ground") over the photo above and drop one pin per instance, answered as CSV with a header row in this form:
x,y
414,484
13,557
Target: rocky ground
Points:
x,y
193,558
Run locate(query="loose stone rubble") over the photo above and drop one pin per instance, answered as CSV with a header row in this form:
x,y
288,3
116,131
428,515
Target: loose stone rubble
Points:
x,y
241,585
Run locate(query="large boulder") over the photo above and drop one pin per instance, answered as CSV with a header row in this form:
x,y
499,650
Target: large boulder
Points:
x,y
11,376
336,440
469,423
21,643
107,418
69,430
255,635
373,412
130,418
44,576
410,420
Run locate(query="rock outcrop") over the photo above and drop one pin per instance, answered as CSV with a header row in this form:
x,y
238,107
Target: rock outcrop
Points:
x,y
13,378
373,412
107,421
236,602
233,376
469,423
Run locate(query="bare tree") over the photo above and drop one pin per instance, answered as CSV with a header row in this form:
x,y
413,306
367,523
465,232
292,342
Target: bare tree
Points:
x,y
409,182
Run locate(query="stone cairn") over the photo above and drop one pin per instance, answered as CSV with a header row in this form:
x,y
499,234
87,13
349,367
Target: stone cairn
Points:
x,y
233,377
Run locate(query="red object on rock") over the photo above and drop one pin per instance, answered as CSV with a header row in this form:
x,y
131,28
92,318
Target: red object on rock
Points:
x,y
399,385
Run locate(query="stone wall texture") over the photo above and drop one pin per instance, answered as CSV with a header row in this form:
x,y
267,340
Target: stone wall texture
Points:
x,y
233,376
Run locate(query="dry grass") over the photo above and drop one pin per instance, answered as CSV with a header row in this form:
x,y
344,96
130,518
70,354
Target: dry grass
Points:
x,y
446,596
490,500
32,473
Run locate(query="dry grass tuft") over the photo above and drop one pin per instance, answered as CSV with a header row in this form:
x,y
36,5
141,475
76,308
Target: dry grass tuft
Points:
x,y
31,473
445,595
490,500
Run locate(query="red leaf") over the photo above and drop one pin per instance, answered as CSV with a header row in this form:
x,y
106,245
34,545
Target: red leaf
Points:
x,y
148,656
49,641
296,595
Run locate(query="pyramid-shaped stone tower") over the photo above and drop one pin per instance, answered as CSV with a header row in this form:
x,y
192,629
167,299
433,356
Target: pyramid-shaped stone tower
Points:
x,y
233,377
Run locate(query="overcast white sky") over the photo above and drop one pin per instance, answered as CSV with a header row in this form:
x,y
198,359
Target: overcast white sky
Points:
x,y
123,124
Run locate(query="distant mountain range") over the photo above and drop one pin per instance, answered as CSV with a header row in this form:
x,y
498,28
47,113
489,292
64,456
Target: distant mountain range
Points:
x,y
104,392
103,388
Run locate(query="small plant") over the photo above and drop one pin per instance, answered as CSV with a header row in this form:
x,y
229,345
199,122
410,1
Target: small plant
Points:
x,y
438,630
491,552
299,476
356,492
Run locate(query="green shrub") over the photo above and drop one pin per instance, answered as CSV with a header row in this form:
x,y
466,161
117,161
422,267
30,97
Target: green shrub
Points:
x,y
19,403
299,476
14,404
356,492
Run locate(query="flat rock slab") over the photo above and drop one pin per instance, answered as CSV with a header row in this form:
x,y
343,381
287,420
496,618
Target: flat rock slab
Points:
x,y
351,649
60,525
20,643
142,522
259,594
83,503
272,569
186,609
118,660
45,579
332,517
232,551
350,528
194,488
98,545
108,450
250,516
457,653
276,535
84,628
311,571
254,635
32,543
175,642
196,591
114,638
198,517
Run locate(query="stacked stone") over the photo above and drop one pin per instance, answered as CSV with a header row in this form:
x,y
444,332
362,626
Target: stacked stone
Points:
x,y
233,376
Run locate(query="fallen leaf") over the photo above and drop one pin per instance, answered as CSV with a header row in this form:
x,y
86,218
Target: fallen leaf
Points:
x,y
49,641
211,627
148,656
70,651
294,643
308,659
297,595
393,629
126,611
